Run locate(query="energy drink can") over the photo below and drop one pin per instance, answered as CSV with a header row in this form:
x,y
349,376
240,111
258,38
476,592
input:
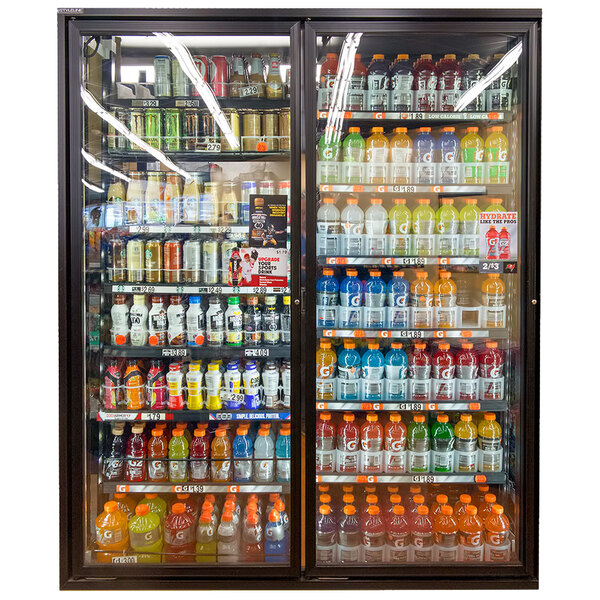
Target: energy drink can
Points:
x,y
172,139
153,124
135,260
162,76
227,249
210,262
137,125
190,129
181,83
116,260
233,117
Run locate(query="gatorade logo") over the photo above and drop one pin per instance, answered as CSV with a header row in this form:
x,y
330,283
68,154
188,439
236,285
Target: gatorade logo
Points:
x,y
439,334
449,157
379,115
325,372
502,155
479,156
355,300
328,153
352,445
427,157
437,189
495,372
387,261
495,539
385,334
381,188
447,373
397,445
322,114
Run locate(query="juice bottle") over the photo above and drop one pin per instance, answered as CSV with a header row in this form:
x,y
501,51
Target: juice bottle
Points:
x,y
377,83
400,220
425,84
353,155
490,442
468,219
495,205
206,543
496,151
112,535
460,508
465,444
423,219
377,155
401,84
327,79
401,155
445,534
135,391
178,454
492,296
418,442
172,198
422,535
114,214
497,544
220,454
145,535
355,97
125,503
449,81
472,150
470,535
157,456
326,364
442,444
179,535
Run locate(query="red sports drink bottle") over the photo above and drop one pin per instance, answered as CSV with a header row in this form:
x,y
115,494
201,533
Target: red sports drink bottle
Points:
x,y
325,443
419,369
348,437
443,367
398,535
199,456
156,384
504,244
135,463
112,386
395,444
179,535
371,444
491,240
467,367
373,536
422,535
491,363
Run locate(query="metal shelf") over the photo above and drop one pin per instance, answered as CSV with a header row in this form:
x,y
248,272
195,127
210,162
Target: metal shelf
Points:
x,y
498,334
416,478
441,117
487,405
197,352
196,102
390,188
183,155
110,487
191,415
184,288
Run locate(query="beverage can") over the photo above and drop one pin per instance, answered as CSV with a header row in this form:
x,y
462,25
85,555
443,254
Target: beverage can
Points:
x,y
173,261
181,83
116,260
219,79
208,127
153,126
266,187
192,261
284,129
233,118
137,125
116,140
172,139
162,76
210,262
135,260
227,248
251,129
153,255
270,129
202,64
190,128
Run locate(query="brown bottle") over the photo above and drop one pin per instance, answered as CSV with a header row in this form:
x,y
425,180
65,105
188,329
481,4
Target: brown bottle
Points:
x,y
257,76
238,77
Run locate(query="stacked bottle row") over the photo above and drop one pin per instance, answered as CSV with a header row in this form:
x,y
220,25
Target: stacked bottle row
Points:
x,y
402,232
157,454
205,528
418,375
424,86
149,199
212,385
355,304
463,445
400,160
195,325
406,529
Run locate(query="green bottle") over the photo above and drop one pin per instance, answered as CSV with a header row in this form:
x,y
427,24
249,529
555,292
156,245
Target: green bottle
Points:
x,y
400,220
442,445
178,454
423,223
145,535
353,153
446,218
418,442
156,505
329,156
469,226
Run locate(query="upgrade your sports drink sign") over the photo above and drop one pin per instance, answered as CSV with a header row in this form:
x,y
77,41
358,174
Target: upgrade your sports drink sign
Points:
x,y
498,236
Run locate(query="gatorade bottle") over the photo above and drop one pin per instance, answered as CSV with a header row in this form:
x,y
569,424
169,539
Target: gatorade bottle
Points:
x,y
375,293
133,380
326,550
467,367
175,387
446,220
418,442
497,543
206,544
349,372
157,456
421,296
504,244
193,380
351,292
470,535
125,503
242,451
327,296
329,150
423,225
114,461
422,536
374,536
424,154
377,83
353,155
179,543
472,71
220,454
327,79
377,155
424,84
353,221
398,291
445,532
326,365
155,504
349,535
495,205
376,220
401,156
253,547
485,507
436,507
469,226
472,151
398,536
414,499
355,96
145,535
228,546
400,220
490,443
396,362
443,370
276,538
373,368
496,151
178,455
282,454
328,226
449,80
264,450
401,84
348,438
491,242
371,444
395,445
491,363
325,441
444,296
135,465
449,148
492,296
465,444
112,534
499,94
460,508
419,370
442,445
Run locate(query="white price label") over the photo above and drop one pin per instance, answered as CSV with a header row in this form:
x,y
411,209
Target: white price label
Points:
x,y
211,147
256,352
249,90
153,416
423,479
150,103
174,352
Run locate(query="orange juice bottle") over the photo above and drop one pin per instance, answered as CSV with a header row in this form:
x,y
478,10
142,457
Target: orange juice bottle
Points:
x,y
326,363
377,153
112,535
492,296
220,454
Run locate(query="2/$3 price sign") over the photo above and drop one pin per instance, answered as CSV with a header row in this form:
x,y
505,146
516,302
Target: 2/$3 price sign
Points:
x,y
498,242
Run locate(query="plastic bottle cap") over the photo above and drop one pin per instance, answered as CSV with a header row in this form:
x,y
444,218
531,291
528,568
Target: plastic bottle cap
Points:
x,y
348,498
441,499
377,130
280,505
205,517
395,418
351,272
497,509
222,432
472,129
465,498
418,498
398,273
445,275
426,56
470,200
325,416
357,57
402,57
349,509
324,498
142,509
424,129
178,508
371,499
111,506
448,201
354,129
494,275
471,510
351,200
420,346
373,510
201,432
328,201
449,129
399,200
489,416
324,509
444,346
396,345
401,130
398,509
177,432
375,273
421,274
370,489
150,496
422,510
331,55
376,201
325,345
373,345
497,128
415,489
466,346
473,56
378,56
419,418
349,417
157,432
466,417
442,418
395,498
447,510
252,519
424,201
349,344
491,344
328,272
371,417
227,516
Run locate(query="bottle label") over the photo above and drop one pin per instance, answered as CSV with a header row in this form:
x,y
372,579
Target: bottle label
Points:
x,y
395,461
467,389
370,461
397,299
442,461
472,553
447,553
177,470
325,554
106,537
199,470
418,461
325,461
497,552
140,539
349,372
347,460
157,470
465,461
180,537
348,554
398,555
373,554
242,470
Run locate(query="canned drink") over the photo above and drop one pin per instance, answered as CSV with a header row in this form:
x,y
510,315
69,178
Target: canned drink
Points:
x,y
173,261
153,124
248,188
190,129
181,82
266,187
219,80
284,129
135,260
137,125
154,261
233,118
172,140
115,139
252,130
192,261
284,187
208,127
162,76
227,249
270,129
211,202
210,262
116,260
202,64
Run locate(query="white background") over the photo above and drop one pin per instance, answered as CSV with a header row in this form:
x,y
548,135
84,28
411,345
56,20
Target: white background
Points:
x,y
570,518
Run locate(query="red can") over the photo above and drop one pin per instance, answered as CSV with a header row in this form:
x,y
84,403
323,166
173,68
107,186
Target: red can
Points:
x,y
220,76
172,261
203,66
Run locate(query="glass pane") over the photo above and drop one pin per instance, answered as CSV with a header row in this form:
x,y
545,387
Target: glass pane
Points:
x,y
186,196
418,178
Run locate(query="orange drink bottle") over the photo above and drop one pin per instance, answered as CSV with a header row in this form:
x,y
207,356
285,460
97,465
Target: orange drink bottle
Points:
x,y
220,454
112,535
497,542
445,535
470,535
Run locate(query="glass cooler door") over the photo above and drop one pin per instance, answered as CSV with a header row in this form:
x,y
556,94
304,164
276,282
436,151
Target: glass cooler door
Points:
x,y
414,214
186,172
